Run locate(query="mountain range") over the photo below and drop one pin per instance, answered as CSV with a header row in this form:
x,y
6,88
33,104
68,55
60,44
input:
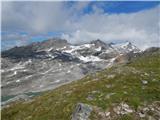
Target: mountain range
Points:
x,y
46,65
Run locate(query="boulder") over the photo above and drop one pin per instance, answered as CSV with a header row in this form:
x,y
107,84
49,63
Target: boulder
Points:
x,y
81,112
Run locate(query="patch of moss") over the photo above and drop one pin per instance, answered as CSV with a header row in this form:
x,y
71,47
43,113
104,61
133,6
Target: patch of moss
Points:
x,y
126,117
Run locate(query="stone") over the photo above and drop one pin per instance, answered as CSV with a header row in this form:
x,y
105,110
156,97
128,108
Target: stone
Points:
x,y
82,112
107,114
144,82
122,109
90,97
142,115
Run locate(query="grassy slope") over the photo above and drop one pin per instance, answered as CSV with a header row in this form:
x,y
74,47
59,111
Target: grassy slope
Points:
x,y
125,81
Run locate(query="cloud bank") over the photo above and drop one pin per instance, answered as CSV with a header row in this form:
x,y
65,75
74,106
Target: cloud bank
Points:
x,y
141,28
78,26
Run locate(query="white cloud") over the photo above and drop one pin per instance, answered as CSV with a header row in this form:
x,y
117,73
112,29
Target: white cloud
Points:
x,y
141,28
35,17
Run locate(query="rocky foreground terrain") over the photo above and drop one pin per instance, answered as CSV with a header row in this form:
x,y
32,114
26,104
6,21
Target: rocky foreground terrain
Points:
x,y
118,82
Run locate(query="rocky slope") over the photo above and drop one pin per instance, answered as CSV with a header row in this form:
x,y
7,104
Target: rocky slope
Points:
x,y
127,91
46,65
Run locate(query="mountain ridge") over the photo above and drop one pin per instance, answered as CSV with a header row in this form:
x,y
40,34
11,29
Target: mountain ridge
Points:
x,y
51,44
39,67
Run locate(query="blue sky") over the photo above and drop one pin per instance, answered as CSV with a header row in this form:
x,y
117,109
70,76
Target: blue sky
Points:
x,y
26,22
114,7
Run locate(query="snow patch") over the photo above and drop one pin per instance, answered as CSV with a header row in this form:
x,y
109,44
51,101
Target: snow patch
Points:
x,y
73,48
47,71
24,70
98,49
50,55
57,81
29,61
64,47
49,49
89,58
15,72
78,64
18,66
59,64
28,76
2,70
111,61
17,81
71,66
86,45
41,86
8,83
61,48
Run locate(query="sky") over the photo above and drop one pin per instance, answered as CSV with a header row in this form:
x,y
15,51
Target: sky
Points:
x,y
80,22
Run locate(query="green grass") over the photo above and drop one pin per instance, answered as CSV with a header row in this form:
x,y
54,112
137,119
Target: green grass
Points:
x,y
126,86
126,117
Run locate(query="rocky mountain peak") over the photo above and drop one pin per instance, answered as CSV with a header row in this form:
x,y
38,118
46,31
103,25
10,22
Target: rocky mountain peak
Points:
x,y
99,43
127,44
130,47
52,43
126,47
55,41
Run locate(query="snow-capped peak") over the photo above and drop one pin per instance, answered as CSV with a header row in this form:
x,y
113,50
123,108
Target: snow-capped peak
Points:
x,y
125,47
126,44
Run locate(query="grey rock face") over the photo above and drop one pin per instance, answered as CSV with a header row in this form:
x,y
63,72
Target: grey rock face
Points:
x,y
125,48
51,43
32,50
99,43
82,112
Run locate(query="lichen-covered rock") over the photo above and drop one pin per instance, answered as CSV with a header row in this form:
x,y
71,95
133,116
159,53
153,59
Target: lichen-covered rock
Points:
x,y
82,112
122,109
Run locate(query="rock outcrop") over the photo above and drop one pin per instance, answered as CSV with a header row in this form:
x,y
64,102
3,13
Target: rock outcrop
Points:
x,y
81,112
